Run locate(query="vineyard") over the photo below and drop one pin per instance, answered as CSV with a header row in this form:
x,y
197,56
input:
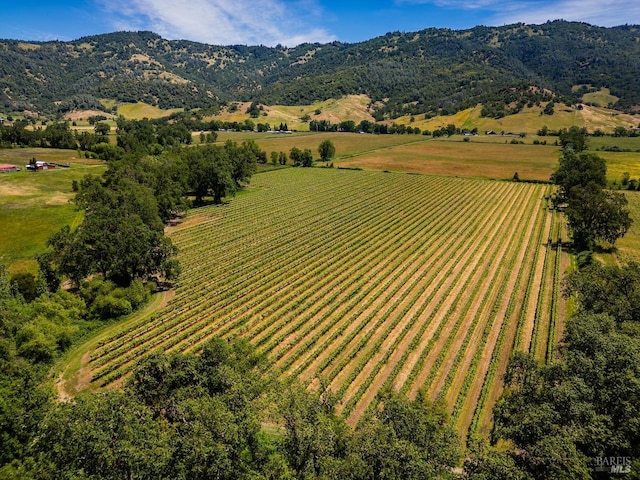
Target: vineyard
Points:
x,y
362,281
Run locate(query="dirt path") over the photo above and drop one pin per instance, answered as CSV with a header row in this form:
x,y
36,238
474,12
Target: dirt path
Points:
x,y
73,371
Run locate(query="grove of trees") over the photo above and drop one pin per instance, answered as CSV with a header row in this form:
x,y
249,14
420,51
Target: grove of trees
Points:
x,y
593,212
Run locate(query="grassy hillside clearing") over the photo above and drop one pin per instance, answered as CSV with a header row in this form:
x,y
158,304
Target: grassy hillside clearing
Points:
x,y
138,111
357,108
363,280
602,97
529,120
349,107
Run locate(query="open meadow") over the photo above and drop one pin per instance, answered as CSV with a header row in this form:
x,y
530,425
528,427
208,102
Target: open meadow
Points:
x,y
365,280
482,156
466,159
33,205
628,247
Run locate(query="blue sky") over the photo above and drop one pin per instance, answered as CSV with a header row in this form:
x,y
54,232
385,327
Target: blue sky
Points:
x,y
289,22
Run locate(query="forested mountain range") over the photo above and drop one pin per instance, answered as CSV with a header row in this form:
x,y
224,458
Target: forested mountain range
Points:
x,y
431,71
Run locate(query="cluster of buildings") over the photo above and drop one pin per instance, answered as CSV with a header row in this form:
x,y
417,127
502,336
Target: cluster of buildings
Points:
x,y
33,166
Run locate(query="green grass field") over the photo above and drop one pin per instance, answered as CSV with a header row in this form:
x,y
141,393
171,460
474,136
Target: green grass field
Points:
x,y
33,205
602,97
628,247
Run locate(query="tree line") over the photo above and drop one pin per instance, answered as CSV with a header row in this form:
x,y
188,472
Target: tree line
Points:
x,y
121,236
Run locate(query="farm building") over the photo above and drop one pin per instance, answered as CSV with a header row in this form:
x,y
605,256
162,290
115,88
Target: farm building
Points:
x,y
6,168
40,165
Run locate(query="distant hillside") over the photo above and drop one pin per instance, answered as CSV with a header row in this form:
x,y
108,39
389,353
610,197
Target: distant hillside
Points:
x,y
433,71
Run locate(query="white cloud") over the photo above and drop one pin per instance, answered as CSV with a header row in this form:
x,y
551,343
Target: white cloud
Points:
x,y
597,12
221,22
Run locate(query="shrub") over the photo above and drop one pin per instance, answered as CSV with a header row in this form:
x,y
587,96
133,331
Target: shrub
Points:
x,y
136,294
110,306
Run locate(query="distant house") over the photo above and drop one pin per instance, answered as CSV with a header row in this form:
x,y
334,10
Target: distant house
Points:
x,y
7,168
40,165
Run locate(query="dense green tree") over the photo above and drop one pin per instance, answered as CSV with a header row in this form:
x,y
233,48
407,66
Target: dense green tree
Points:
x,y
87,140
611,290
110,435
27,285
315,438
306,158
549,109
407,440
121,236
243,158
210,172
596,214
486,463
107,151
326,150
31,335
347,126
59,135
102,129
69,257
574,137
253,110
48,272
579,169
366,126
295,154
593,213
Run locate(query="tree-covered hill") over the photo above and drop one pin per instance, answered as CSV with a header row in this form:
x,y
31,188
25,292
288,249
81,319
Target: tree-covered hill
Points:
x,y
431,71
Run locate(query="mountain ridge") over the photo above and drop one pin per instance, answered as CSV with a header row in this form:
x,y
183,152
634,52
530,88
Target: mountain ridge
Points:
x,y
432,71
